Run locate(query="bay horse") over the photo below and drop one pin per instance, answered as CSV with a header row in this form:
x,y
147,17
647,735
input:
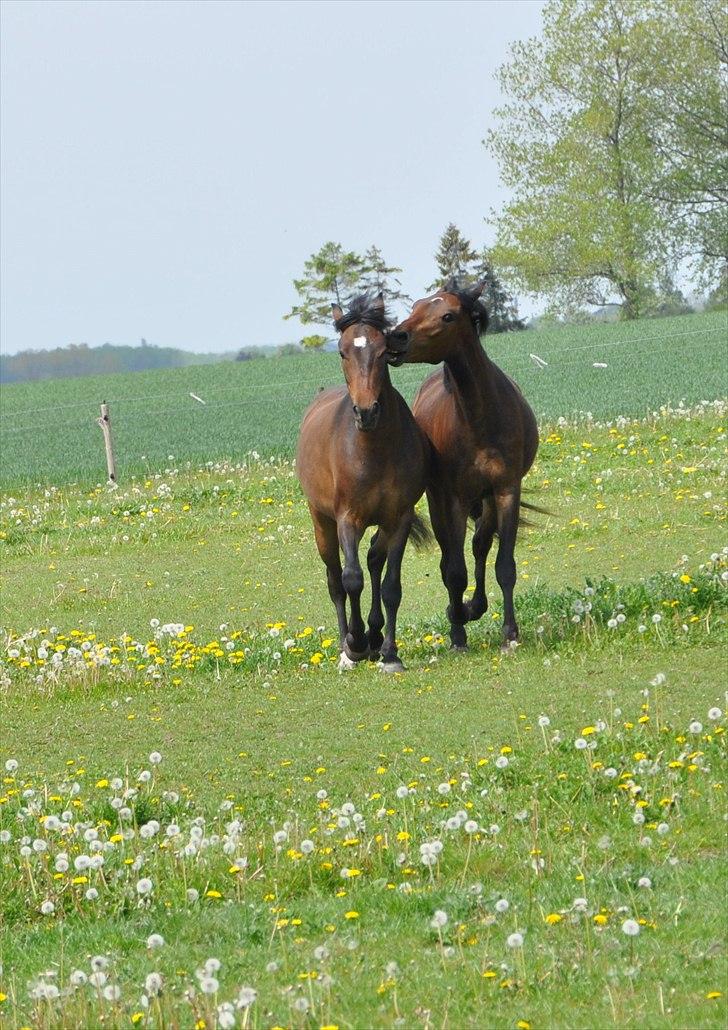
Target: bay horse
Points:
x,y
362,461
484,437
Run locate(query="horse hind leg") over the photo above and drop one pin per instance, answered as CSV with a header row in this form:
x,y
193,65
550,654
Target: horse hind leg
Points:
x,y
449,524
327,542
485,527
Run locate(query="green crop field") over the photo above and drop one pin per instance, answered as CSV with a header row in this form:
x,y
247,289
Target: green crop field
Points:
x,y
48,429
203,824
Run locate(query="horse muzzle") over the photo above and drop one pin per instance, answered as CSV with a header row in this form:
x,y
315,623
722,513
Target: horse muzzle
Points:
x,y
397,346
366,419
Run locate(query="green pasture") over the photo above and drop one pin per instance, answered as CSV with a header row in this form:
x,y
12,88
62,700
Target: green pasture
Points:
x,y
48,430
580,780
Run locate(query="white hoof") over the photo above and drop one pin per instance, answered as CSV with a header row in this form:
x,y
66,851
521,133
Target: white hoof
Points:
x,y
345,663
391,667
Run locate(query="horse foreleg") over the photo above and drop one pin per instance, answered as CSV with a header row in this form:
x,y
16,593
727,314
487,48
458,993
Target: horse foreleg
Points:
x,y
482,541
392,597
376,558
507,505
449,522
327,542
356,646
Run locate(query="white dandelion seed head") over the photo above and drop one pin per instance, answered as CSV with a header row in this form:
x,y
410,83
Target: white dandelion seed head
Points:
x,y
515,940
209,984
695,727
471,826
155,940
47,908
153,984
501,762
78,978
714,714
630,927
502,905
247,995
144,886
155,758
544,721
439,919
644,881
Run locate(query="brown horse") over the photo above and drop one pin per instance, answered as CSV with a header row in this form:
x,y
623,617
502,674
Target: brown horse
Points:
x,y
485,438
362,461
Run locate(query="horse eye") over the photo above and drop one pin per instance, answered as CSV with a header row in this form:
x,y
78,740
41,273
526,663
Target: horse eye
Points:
x,y
449,317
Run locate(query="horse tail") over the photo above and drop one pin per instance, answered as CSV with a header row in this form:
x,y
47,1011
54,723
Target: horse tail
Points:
x,y
421,534
522,521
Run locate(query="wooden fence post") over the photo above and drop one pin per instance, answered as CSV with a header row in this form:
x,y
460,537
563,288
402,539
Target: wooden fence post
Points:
x,y
105,424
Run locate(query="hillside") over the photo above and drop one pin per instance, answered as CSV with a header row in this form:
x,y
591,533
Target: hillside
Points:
x,y
48,429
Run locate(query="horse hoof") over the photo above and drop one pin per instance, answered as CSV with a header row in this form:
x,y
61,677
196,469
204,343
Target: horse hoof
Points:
x,y
392,666
508,647
355,656
345,663
459,648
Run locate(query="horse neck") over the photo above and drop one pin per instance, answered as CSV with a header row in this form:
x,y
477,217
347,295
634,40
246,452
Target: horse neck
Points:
x,y
472,373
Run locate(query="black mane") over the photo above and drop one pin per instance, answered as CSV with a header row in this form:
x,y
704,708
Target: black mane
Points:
x,y
472,304
364,310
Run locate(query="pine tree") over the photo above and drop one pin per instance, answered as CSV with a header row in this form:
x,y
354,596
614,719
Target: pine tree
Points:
x,y
331,275
501,306
379,277
454,257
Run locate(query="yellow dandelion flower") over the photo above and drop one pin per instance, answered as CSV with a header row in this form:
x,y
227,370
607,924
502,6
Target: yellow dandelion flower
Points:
x,y
553,917
353,914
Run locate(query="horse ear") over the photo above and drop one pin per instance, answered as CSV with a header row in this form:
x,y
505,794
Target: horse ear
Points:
x,y
378,302
476,289
336,312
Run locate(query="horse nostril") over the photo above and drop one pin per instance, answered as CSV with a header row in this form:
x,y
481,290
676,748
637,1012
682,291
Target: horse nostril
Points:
x,y
357,409
400,335
374,410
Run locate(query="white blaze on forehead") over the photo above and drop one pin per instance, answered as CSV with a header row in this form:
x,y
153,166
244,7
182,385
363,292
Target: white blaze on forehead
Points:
x,y
360,341
434,300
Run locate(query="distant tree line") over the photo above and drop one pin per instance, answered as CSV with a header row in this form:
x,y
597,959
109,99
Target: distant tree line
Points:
x,y
78,359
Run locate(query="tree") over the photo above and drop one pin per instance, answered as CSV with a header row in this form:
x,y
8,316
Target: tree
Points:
x,y
573,145
245,354
502,308
330,275
685,79
288,350
454,257
379,277
314,342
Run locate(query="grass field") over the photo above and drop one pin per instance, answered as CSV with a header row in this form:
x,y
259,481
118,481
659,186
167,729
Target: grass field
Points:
x,y
204,825
48,430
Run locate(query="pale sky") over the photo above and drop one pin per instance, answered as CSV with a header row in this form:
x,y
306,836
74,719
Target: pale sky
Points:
x,y
167,167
